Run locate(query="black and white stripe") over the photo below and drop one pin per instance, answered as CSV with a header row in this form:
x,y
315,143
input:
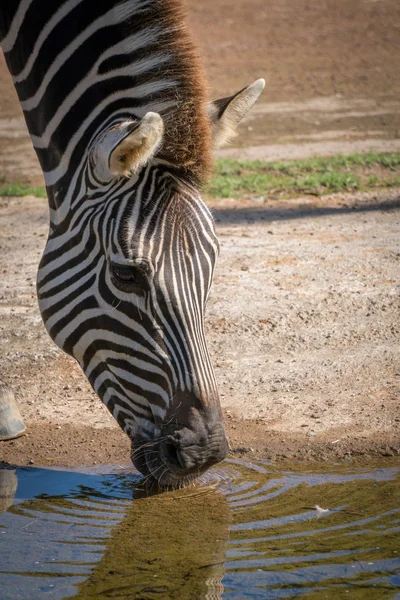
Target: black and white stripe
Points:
x,y
128,265
143,345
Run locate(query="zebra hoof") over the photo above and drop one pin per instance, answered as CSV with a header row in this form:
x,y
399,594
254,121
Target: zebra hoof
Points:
x,y
11,422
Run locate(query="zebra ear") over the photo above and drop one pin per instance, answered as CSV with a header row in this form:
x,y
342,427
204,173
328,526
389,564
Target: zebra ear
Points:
x,y
226,113
124,148
137,146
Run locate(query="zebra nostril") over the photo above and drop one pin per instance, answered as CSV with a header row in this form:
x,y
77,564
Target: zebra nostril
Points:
x,y
171,455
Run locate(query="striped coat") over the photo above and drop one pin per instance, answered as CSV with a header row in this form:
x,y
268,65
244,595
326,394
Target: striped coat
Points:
x,y
115,103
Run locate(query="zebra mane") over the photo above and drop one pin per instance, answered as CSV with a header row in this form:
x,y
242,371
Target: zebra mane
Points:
x,y
187,136
188,140
79,66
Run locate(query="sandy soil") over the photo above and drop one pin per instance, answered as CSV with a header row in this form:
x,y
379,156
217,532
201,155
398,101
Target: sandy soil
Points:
x,y
303,322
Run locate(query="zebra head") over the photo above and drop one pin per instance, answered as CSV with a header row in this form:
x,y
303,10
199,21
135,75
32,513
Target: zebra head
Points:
x,y
123,285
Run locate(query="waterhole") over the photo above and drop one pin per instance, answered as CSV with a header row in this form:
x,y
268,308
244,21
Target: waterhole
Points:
x,y
259,531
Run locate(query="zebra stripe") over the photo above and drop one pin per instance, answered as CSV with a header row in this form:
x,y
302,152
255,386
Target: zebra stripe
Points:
x,y
74,297
128,265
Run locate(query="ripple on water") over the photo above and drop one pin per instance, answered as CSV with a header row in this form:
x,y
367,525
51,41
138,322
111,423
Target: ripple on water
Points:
x,y
244,531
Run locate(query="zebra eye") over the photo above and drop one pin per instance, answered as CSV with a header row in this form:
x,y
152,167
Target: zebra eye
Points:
x,y
129,277
125,274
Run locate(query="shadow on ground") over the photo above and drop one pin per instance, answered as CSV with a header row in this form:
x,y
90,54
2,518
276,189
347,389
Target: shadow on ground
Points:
x,y
250,214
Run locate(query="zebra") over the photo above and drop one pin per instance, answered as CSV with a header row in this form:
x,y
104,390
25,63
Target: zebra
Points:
x,y
115,102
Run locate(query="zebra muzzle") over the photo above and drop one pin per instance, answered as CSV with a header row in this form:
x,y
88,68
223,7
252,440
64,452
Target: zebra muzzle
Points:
x,y
176,458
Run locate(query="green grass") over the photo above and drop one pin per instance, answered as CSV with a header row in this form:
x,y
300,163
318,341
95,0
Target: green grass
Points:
x,y
18,189
316,176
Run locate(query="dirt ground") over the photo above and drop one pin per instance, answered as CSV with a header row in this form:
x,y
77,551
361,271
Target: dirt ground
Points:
x,y
303,322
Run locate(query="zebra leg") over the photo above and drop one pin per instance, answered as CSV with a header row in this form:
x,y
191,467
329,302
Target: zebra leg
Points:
x,y
11,422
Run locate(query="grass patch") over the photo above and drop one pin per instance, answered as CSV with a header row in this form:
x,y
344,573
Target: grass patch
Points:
x,y
18,189
316,176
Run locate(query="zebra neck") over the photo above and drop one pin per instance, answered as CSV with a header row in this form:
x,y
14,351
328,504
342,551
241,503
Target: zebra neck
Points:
x,y
80,65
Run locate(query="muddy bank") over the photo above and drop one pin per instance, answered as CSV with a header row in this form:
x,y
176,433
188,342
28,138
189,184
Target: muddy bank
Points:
x,y
47,444
302,323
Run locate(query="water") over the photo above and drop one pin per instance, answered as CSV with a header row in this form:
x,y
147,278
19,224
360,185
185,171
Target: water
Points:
x,y
246,531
